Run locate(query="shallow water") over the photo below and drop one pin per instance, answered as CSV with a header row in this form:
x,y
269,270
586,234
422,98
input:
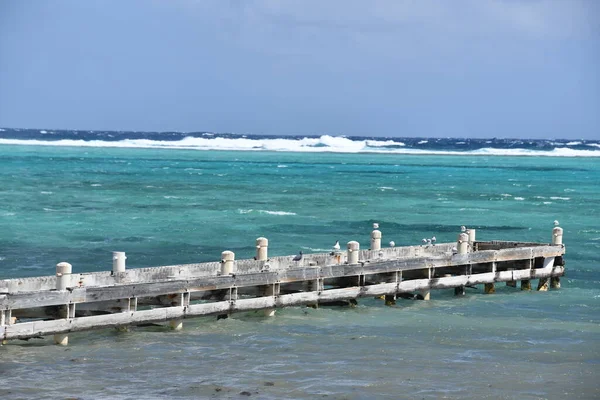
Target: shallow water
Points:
x,y
165,206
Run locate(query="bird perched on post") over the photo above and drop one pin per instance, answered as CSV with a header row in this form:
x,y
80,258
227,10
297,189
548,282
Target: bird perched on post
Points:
x,y
375,225
463,228
433,239
555,223
392,243
298,257
336,246
428,242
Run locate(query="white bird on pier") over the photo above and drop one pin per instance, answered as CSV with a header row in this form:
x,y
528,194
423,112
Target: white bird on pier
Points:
x,y
424,241
428,242
555,223
433,239
392,244
336,246
463,228
375,225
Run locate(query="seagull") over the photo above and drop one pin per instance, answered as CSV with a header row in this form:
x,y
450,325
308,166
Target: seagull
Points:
x,y
428,242
336,246
433,239
392,244
555,223
463,228
298,257
375,225
424,241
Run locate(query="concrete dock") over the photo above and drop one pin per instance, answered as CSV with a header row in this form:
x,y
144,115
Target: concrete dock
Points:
x,y
70,302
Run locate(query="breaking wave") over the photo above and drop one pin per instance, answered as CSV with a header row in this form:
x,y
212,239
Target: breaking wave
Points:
x,y
324,143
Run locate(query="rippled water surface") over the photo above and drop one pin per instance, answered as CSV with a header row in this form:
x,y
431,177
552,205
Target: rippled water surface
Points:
x,y
166,206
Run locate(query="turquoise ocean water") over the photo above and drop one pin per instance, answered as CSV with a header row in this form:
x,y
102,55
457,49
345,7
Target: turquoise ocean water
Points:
x,y
169,206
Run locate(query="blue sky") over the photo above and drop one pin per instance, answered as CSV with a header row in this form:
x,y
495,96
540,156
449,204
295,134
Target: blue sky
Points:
x,y
438,68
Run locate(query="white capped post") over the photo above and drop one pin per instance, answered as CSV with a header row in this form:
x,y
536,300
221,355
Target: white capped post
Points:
x,y
353,248
262,245
119,261
557,236
376,240
227,262
63,275
463,243
471,233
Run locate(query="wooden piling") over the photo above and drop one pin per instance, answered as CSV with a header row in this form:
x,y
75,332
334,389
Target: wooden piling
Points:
x,y
557,239
177,323
512,283
269,290
543,285
63,280
489,288
390,299
525,284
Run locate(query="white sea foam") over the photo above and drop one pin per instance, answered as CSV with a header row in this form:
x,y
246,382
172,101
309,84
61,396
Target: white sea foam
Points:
x,y
594,145
42,132
559,198
314,250
248,211
171,197
379,143
573,143
423,141
96,184
324,143
519,198
276,212
45,192
384,188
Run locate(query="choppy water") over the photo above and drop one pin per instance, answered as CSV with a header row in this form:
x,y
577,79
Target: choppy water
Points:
x,y
166,206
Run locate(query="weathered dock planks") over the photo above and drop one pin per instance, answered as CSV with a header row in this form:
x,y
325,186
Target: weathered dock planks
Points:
x,y
71,302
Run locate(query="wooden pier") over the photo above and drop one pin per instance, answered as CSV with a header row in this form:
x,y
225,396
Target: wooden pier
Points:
x,y
71,302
